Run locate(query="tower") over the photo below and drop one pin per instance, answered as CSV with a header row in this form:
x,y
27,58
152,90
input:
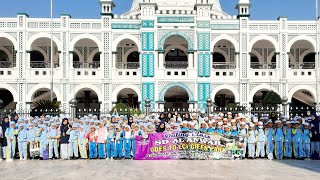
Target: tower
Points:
x,y
243,8
106,7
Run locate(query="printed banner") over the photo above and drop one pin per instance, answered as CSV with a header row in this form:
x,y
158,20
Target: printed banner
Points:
x,y
191,145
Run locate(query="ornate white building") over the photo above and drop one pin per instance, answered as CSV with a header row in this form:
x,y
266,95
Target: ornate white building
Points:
x,y
177,53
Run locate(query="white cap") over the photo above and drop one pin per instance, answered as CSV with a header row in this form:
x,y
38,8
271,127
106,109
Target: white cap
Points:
x,y
260,123
255,120
251,125
242,123
306,124
277,121
185,122
192,124
233,120
220,123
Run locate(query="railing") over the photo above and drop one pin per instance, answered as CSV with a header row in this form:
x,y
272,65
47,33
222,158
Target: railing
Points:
x,y
130,65
5,64
176,64
263,65
306,65
79,65
42,64
223,65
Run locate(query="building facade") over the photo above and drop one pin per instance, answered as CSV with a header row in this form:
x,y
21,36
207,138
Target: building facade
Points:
x,y
176,53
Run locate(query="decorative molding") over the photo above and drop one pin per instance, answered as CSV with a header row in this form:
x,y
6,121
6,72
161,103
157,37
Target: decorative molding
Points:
x,y
165,86
125,26
188,35
203,24
147,24
225,26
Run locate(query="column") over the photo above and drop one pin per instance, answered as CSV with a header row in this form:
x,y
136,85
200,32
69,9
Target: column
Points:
x,y
161,59
114,60
28,59
71,59
190,59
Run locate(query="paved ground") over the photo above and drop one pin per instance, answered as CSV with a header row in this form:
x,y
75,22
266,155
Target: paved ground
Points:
x,y
137,170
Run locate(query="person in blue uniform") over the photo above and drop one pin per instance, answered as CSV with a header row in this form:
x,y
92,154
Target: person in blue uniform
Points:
x,y
278,137
22,142
306,140
297,141
288,140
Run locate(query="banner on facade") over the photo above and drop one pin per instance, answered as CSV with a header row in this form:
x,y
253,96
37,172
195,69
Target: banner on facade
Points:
x,y
191,145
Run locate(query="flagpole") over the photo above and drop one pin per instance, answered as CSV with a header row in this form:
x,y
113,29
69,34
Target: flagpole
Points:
x,y
317,55
51,62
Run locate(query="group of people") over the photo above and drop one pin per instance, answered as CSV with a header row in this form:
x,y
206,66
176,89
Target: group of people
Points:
x,y
113,136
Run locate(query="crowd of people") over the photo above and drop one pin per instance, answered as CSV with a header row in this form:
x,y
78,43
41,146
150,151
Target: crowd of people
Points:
x,y
112,136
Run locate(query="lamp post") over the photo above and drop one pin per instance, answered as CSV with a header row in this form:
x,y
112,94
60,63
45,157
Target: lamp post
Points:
x,y
73,104
209,106
147,105
284,101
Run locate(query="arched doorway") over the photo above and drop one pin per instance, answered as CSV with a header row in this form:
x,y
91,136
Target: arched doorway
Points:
x,y
302,55
7,53
41,99
40,54
86,54
301,102
129,97
176,97
224,98
7,98
262,55
128,56
258,98
175,52
224,55
87,99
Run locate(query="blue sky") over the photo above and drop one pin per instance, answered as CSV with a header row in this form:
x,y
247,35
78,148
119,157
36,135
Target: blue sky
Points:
x,y
260,9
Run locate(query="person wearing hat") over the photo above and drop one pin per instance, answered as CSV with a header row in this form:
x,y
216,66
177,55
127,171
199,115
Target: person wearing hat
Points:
x,y
92,139
10,135
22,142
269,139
210,129
306,140
73,144
261,140
137,132
31,141
42,132
203,127
185,126
251,141
219,129
243,132
82,141
288,141
297,141
101,140
118,143
110,142
54,135
278,137
127,141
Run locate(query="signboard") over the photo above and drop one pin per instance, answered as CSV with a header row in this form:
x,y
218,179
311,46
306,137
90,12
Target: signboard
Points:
x,y
175,19
186,145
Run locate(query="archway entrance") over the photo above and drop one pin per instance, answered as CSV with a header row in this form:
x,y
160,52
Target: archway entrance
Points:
x,y
7,98
301,102
176,97
87,99
129,97
224,98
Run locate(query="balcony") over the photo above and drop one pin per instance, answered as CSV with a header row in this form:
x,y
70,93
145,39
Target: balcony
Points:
x,y
223,65
176,64
263,65
6,64
129,65
43,64
306,65
79,65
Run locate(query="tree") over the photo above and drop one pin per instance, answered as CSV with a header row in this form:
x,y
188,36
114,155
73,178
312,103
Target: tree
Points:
x,y
124,109
272,99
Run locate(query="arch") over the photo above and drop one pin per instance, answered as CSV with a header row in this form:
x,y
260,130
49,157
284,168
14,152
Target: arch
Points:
x,y
127,86
85,36
301,38
10,38
177,46
167,87
257,54
123,37
266,38
12,90
42,86
44,54
74,92
228,87
93,53
43,35
5,50
177,33
223,53
260,87
302,87
226,38
125,56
